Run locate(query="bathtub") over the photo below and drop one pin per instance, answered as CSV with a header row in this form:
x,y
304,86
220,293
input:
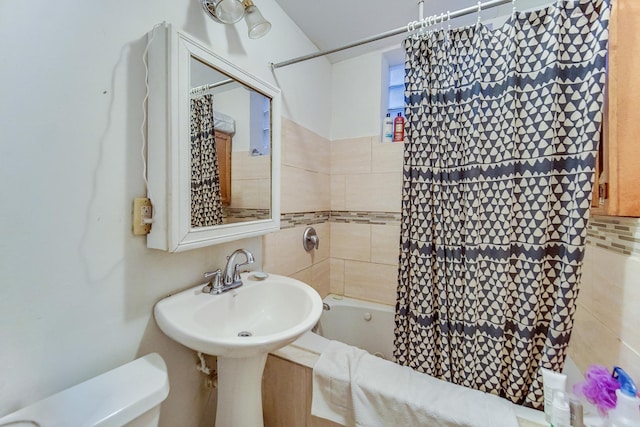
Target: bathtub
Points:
x,y
370,326
362,324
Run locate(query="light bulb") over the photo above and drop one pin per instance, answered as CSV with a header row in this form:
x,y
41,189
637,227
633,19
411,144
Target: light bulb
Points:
x,y
229,11
257,25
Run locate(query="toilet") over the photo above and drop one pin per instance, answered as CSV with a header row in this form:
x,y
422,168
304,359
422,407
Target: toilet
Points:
x,y
129,395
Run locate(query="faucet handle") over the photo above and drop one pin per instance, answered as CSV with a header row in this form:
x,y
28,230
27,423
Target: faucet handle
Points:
x,y
215,283
236,269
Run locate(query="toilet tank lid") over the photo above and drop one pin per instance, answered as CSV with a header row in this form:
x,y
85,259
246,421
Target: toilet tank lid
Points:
x,y
111,399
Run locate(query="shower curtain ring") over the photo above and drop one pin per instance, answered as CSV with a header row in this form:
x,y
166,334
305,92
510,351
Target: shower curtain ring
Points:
x,y
479,11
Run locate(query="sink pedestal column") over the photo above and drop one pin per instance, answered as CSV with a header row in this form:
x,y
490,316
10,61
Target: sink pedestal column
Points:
x,y
240,391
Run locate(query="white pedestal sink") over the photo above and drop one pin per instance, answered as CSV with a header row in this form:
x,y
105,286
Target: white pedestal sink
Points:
x,y
240,327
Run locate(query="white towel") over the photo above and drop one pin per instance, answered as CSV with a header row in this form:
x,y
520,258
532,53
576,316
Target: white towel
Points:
x,y
353,388
224,123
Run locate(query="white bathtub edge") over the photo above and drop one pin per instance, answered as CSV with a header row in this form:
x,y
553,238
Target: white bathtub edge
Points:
x,y
306,350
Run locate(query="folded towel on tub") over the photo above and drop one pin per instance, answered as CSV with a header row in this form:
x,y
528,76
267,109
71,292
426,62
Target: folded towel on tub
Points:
x,y
353,388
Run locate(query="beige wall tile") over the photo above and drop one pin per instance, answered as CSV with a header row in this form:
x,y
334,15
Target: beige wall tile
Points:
x,y
351,241
251,193
336,267
629,359
617,306
371,282
386,157
324,248
246,166
338,188
304,149
305,276
593,343
304,191
605,330
283,252
351,156
321,277
380,192
385,244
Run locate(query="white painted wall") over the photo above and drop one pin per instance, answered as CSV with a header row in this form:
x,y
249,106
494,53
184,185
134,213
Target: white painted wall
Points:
x,y
76,287
235,103
358,102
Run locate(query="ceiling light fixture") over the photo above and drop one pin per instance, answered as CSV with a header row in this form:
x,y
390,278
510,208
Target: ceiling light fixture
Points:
x,y
232,11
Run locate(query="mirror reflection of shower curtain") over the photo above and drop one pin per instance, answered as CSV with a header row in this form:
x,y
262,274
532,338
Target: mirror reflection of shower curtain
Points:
x,y
206,204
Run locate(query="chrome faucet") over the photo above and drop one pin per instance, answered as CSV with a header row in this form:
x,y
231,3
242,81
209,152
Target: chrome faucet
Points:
x,y
231,274
230,279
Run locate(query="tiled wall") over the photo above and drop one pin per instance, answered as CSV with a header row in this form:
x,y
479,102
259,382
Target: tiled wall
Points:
x,y
253,190
304,201
366,183
606,329
349,191
305,170
358,224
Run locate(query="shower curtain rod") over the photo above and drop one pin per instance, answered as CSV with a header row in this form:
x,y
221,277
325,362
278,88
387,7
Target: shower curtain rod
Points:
x,y
204,88
412,26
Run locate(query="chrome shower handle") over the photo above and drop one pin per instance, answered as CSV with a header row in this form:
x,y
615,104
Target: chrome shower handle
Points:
x,y
310,239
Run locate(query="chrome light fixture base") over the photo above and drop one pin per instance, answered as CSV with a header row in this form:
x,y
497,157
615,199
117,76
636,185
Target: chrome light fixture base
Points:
x,y
232,11
224,11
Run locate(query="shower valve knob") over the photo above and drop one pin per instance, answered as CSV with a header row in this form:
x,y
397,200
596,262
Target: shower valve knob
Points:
x,y
310,239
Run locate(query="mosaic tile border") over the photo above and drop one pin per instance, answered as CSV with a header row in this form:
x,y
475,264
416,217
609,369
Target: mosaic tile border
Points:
x,y
617,234
365,217
290,220
242,214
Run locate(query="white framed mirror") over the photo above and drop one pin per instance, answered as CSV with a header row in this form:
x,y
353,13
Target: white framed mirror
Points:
x,y
213,146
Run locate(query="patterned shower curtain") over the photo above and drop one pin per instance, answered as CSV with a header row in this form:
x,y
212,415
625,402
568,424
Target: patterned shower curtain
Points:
x,y
502,133
206,201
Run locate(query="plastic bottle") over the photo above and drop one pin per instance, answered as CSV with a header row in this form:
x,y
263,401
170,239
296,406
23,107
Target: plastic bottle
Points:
x,y
561,413
387,129
627,410
552,382
398,128
577,411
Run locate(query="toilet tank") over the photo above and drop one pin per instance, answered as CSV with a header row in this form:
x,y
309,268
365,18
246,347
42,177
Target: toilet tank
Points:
x,y
129,395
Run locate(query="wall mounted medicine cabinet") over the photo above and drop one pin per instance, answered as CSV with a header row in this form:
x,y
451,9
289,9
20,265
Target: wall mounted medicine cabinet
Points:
x,y
213,146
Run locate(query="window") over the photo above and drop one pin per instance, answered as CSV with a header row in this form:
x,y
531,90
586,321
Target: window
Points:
x,y
266,126
260,132
395,99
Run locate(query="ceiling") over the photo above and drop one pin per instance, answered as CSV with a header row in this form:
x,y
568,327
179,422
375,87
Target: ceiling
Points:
x,y
334,23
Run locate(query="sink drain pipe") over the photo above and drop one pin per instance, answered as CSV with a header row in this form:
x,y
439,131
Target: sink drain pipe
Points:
x,y
212,375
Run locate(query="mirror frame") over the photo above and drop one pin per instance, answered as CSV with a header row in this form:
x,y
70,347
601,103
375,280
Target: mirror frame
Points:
x,y
168,151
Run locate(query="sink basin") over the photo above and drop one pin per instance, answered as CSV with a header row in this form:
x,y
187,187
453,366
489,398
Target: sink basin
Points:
x,y
241,327
254,319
